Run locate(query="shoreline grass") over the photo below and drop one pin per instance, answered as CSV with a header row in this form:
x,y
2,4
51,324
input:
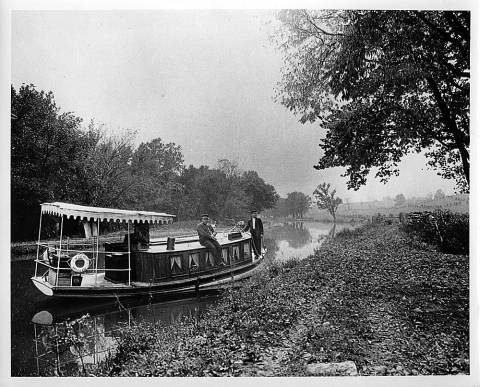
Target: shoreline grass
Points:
x,y
373,296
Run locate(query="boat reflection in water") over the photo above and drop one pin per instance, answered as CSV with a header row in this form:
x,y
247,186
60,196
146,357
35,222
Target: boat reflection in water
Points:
x,y
64,346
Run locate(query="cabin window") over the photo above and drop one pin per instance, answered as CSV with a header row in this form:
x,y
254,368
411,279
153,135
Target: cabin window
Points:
x,y
209,259
225,255
246,250
176,264
193,261
235,253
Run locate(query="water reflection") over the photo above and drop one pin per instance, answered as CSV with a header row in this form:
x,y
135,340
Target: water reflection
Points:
x,y
296,234
73,344
69,345
300,239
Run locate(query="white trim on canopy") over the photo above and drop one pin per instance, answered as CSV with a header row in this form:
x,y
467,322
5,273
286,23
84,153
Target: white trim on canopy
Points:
x,y
104,214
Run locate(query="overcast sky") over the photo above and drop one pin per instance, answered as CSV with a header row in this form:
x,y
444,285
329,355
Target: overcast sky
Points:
x,y
202,79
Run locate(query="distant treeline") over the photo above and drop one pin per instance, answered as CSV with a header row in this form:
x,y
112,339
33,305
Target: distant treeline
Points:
x,y
296,204
299,205
54,158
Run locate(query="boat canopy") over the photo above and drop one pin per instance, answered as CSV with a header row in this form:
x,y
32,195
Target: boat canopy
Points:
x,y
104,214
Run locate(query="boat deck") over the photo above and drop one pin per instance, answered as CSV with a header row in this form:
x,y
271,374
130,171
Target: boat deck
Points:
x,y
190,243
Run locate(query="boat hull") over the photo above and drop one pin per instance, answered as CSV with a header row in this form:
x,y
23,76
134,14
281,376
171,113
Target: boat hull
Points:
x,y
194,284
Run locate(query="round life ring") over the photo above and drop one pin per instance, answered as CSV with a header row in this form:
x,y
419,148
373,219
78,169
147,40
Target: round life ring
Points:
x,y
80,263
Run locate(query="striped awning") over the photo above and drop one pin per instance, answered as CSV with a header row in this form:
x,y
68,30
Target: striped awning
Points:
x,y
104,214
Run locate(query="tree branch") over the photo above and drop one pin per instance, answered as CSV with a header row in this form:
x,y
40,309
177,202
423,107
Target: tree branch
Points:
x,y
439,31
305,14
456,25
450,123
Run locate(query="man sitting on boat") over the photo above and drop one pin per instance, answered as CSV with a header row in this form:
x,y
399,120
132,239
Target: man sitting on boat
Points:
x,y
206,237
255,226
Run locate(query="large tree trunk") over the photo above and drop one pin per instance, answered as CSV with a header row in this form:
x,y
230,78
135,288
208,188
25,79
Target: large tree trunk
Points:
x,y
465,162
451,125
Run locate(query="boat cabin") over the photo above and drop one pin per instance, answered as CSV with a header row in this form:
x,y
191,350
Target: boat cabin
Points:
x,y
124,264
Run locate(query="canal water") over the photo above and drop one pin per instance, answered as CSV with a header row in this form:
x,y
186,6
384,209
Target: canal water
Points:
x,y
56,334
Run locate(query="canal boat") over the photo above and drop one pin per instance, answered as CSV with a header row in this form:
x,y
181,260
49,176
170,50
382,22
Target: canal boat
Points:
x,y
138,265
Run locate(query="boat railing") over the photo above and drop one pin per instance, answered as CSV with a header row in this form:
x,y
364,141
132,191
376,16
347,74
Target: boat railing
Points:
x,y
58,259
57,256
101,270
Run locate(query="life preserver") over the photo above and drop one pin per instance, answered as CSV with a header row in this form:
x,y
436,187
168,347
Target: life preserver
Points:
x,y
80,263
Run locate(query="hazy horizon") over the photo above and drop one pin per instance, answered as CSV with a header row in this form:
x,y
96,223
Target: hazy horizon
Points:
x,y
203,79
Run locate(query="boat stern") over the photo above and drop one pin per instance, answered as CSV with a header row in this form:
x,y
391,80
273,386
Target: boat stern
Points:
x,y
44,286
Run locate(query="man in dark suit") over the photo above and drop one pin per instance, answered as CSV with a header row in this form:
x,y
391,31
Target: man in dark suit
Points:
x,y
255,226
206,237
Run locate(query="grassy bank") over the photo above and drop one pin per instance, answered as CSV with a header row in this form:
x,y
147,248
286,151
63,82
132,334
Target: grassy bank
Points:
x,y
372,296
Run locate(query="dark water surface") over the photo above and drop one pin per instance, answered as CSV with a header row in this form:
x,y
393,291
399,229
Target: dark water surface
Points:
x,y
51,333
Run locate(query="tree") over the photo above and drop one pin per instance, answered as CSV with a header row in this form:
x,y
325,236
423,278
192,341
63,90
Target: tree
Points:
x,y
327,200
298,204
439,194
54,159
107,179
156,166
281,208
46,152
236,204
211,187
383,84
399,200
260,195
230,168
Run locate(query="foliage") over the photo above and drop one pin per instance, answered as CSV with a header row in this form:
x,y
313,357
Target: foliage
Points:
x,y
327,200
260,194
371,297
439,195
352,232
55,159
107,178
382,84
46,150
297,204
230,168
156,166
399,200
226,192
281,208
447,230
64,337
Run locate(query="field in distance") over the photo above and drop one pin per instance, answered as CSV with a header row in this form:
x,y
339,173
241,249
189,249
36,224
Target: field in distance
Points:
x,y
387,207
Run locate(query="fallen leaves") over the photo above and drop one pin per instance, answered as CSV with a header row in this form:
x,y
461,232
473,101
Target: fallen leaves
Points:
x,y
369,297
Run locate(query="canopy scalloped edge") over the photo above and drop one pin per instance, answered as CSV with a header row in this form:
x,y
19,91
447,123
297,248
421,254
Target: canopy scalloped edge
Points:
x,y
104,214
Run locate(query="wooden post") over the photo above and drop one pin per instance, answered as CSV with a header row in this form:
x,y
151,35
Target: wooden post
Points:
x,y
38,243
59,253
129,267
36,345
87,229
96,256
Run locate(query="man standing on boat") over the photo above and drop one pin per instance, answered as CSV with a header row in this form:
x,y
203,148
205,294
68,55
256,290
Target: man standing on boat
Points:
x,y
206,237
255,226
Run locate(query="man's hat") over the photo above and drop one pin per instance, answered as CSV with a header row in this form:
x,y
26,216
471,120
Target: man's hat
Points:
x,y
204,215
253,211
